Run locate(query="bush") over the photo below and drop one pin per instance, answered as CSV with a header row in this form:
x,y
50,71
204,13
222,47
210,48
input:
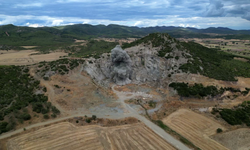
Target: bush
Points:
x,y
94,117
25,116
3,126
53,115
55,110
46,116
88,120
46,78
219,130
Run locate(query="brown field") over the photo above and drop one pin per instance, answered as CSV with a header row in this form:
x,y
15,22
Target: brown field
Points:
x,y
65,136
25,57
237,139
195,127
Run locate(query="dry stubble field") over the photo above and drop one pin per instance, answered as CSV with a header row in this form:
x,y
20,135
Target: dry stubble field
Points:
x,y
27,57
196,128
65,136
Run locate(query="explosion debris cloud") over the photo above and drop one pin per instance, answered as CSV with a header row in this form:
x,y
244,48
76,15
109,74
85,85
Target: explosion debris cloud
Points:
x,y
121,66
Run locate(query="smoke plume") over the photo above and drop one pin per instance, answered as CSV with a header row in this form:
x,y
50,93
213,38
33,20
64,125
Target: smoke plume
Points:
x,y
121,66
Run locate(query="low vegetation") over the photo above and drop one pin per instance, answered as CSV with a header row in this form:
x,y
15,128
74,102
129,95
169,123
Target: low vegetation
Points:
x,y
198,90
17,92
236,116
93,48
61,66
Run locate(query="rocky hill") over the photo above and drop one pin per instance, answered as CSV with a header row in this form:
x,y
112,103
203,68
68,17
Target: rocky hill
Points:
x,y
156,58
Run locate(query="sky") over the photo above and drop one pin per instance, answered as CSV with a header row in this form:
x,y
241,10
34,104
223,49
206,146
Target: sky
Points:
x,y
233,14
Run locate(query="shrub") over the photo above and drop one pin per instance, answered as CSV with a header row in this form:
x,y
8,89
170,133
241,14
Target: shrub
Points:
x,y
53,115
46,78
94,117
55,110
25,116
88,120
46,116
219,130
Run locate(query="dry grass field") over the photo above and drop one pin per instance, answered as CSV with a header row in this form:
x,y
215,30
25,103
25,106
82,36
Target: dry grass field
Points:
x,y
195,127
237,139
27,57
65,136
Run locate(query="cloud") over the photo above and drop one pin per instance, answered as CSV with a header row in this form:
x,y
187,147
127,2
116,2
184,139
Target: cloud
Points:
x,y
33,25
127,12
57,22
214,9
228,8
29,5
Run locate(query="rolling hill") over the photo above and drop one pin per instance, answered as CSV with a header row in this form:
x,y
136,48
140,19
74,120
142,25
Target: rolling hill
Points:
x,y
64,35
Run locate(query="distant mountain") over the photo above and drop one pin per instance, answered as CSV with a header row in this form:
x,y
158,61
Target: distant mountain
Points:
x,y
64,35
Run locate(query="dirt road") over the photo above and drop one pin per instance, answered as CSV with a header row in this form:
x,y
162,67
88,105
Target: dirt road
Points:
x,y
128,112
132,113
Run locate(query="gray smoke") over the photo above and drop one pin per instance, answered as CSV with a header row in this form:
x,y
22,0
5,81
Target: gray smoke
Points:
x,y
121,66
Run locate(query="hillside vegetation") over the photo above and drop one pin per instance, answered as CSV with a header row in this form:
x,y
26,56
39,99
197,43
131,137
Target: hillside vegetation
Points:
x,y
17,92
214,63
93,48
236,116
199,91
51,38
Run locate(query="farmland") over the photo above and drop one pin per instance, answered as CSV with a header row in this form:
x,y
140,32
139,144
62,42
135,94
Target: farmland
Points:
x,y
65,135
196,128
27,57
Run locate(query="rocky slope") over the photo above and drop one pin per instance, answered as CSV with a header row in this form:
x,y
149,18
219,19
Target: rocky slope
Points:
x,y
154,59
